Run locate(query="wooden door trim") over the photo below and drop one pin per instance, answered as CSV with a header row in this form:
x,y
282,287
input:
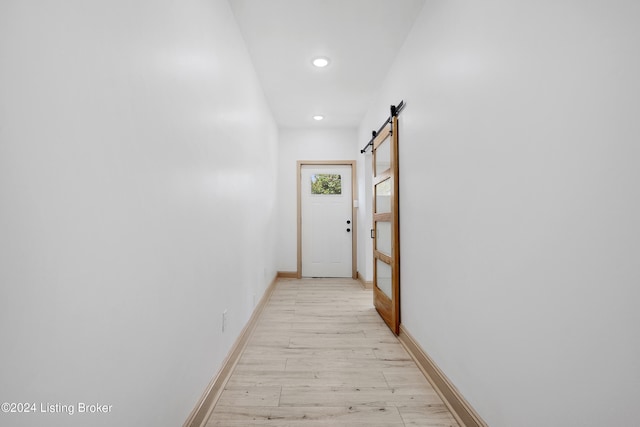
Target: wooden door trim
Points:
x,y
381,177
384,217
384,133
383,257
354,216
395,194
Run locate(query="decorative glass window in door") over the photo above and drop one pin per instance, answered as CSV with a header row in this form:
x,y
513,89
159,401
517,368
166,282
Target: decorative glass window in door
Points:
x,y
326,183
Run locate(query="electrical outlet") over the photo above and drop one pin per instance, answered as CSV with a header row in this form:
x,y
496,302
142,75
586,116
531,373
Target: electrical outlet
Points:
x,y
224,320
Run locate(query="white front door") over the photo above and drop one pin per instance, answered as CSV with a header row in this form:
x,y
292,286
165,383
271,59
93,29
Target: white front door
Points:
x,y
327,225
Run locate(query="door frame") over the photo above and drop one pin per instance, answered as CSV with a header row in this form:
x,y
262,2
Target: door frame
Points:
x,y
354,218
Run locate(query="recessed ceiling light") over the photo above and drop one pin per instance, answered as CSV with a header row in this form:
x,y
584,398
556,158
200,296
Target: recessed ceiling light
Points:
x,y
321,62
318,117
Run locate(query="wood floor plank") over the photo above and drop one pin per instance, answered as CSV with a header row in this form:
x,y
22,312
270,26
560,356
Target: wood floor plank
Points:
x,y
345,353
403,376
343,364
313,341
322,356
436,415
391,353
306,416
358,396
250,396
260,364
307,378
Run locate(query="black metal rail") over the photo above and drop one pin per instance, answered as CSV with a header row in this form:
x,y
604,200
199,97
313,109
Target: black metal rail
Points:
x,y
395,110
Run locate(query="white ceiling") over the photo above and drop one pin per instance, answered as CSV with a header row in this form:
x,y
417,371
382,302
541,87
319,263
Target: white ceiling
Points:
x,y
361,38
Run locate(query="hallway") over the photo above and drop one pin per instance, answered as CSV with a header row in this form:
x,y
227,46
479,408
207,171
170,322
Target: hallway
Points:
x,y
321,356
149,182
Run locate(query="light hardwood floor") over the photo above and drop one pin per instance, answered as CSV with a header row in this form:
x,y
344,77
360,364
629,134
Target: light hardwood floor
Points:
x,y
321,356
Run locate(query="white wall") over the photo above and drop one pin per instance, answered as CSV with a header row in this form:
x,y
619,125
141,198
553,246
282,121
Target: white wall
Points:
x,y
303,144
137,185
519,151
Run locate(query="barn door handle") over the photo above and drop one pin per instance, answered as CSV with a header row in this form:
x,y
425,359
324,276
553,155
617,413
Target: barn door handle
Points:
x,y
372,236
